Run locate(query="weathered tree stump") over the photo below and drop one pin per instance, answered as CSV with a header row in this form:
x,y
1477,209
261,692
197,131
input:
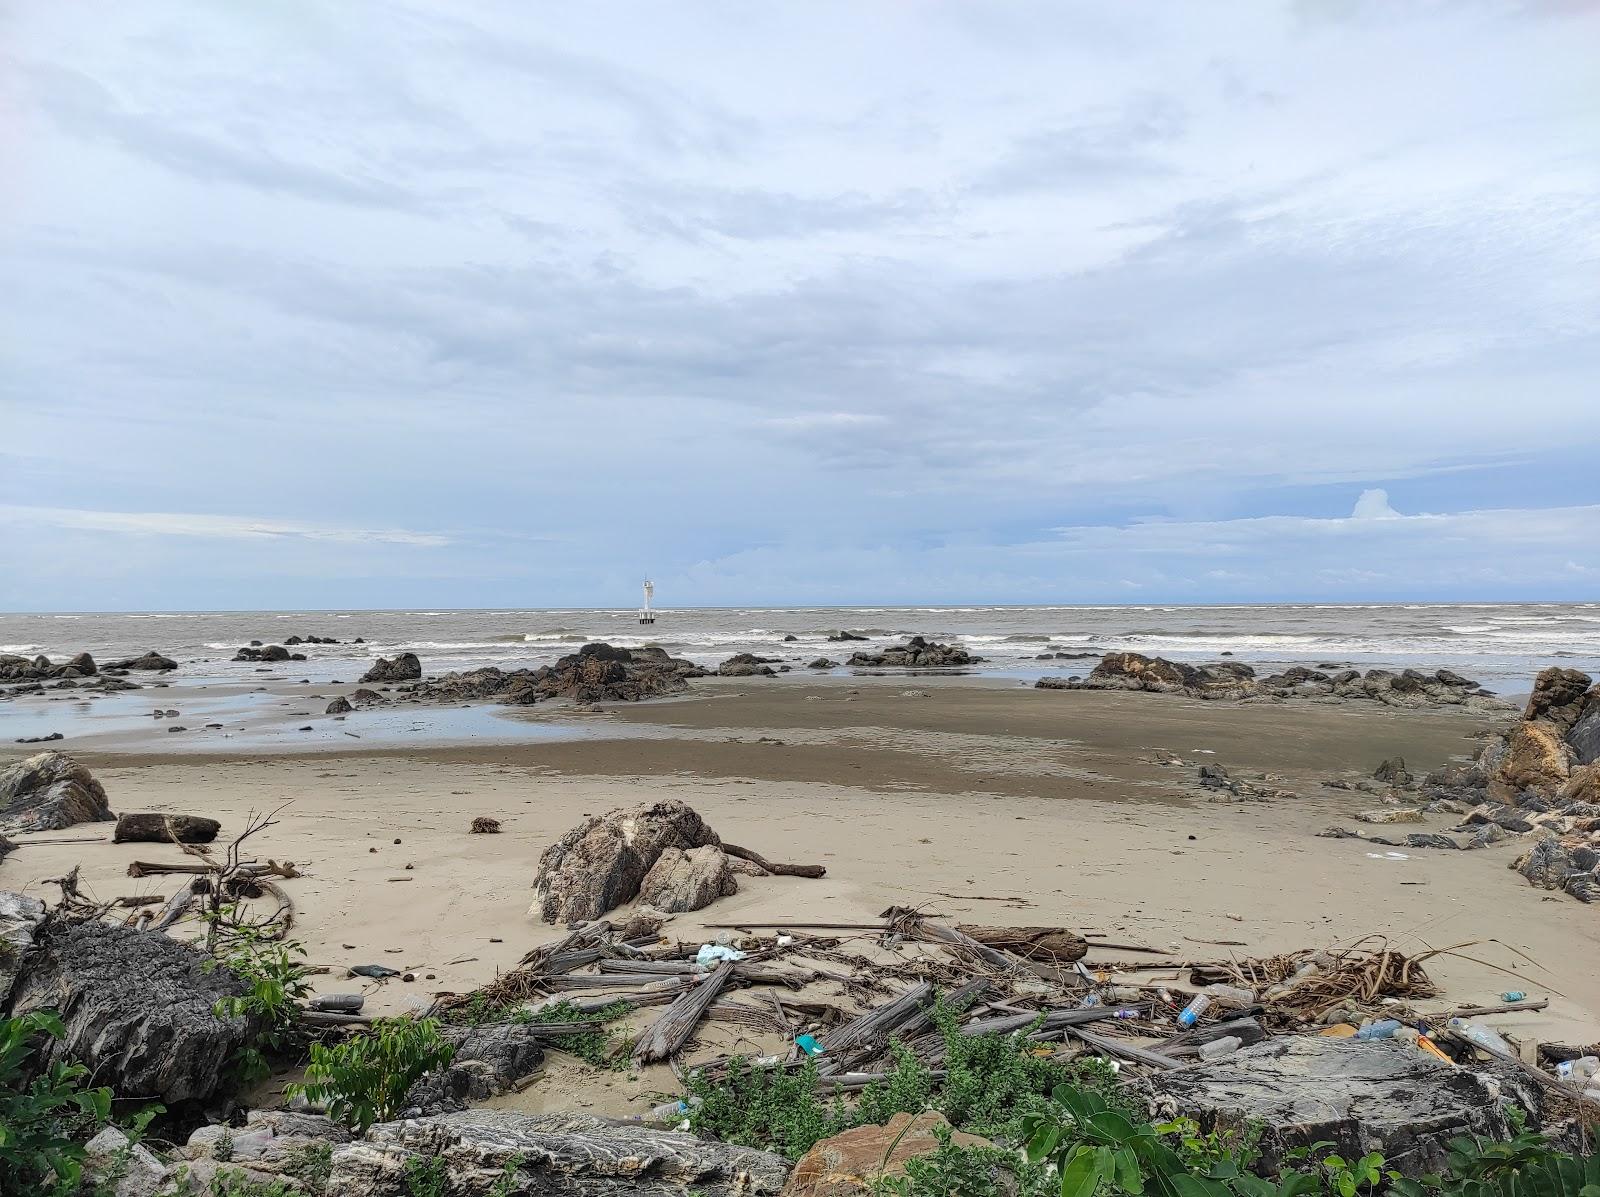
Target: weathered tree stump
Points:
x,y
153,829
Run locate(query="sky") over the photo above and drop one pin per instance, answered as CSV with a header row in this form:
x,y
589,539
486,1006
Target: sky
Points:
x,y
463,304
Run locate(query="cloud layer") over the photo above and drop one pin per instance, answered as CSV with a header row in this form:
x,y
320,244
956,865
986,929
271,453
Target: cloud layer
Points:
x,y
452,303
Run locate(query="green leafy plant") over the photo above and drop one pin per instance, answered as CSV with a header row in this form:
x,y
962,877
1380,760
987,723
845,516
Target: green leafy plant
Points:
x,y
425,1176
44,1118
310,1164
277,979
365,1079
233,1182
599,1048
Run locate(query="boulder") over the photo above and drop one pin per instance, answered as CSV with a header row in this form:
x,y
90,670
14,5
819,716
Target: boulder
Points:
x,y
848,1164
600,863
7,847
339,706
1393,772
1361,1096
1558,697
116,1166
916,653
20,918
48,792
272,652
746,665
151,660
403,668
1535,757
488,1060
1135,671
138,1008
1585,734
366,698
681,880
552,1153
821,663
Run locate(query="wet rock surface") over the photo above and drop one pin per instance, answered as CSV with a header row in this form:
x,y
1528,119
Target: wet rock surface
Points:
x,y
403,668
49,791
595,673
915,653
553,1153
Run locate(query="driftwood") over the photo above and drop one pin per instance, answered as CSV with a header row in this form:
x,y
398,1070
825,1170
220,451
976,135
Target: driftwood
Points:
x,y
668,1033
179,903
159,829
1188,1042
1107,1046
1053,945
777,870
874,1026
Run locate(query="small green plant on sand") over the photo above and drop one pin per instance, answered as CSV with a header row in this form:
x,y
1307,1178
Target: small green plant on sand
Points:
x,y
600,1048
365,1079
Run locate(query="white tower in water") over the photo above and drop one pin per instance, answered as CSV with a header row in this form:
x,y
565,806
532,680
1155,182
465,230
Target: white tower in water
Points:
x,y
646,615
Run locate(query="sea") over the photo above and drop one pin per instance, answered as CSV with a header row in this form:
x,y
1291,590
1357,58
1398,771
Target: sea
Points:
x,y
1501,645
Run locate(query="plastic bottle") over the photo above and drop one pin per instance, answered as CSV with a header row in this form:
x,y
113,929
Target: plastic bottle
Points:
x,y
1127,1012
1218,1048
1231,996
1479,1035
1383,1029
1578,1070
1192,1012
672,1111
1090,1000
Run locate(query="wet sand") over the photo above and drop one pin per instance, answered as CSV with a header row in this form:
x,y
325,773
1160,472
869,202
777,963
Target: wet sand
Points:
x,y
975,798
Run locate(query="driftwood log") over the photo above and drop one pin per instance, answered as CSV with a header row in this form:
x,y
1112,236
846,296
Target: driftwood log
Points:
x,y
777,870
1051,945
154,829
667,1034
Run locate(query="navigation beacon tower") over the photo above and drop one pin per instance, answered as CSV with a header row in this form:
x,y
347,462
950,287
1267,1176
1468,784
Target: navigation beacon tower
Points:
x,y
646,615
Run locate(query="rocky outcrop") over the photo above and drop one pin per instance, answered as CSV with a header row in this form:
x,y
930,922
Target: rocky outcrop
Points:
x,y
595,673
20,919
849,1164
574,1154
23,669
50,791
116,1166
311,640
1408,689
602,862
1361,1096
681,880
916,653
268,653
271,1147
339,706
403,668
747,665
152,661
138,1008
488,1060
821,663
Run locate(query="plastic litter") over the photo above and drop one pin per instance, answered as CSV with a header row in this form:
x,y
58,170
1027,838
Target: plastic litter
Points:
x,y
1383,1029
1479,1035
1192,1012
716,953
1218,1048
1578,1070
337,1003
377,972
1090,1000
809,1045
1513,995
1231,996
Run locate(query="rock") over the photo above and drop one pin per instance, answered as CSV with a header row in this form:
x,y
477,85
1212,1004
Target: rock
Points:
x,y
1428,839
1585,734
680,881
20,917
1535,757
272,652
121,1167
1392,814
848,1164
1558,698
1393,772
488,1061
337,1003
595,673
7,847
1135,671
153,829
553,1154
83,665
600,864
339,706
49,739
1583,786
366,698
747,665
841,636
151,661
1548,865
1486,836
138,1008
403,668
915,653
822,663
484,825
1361,1096
1215,777
48,792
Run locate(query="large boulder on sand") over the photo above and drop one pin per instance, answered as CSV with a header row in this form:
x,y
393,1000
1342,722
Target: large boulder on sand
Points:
x,y
1535,757
1361,1096
601,863
403,668
152,660
138,1008
1558,697
552,1153
48,792
680,881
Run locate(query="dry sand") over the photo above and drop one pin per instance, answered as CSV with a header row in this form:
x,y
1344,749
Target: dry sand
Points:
x,y
980,800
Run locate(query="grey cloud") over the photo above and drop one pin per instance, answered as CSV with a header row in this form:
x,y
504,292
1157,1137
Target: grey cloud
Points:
x,y
1090,149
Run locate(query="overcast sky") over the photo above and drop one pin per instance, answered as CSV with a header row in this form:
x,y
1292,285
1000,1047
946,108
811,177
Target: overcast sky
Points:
x,y
462,304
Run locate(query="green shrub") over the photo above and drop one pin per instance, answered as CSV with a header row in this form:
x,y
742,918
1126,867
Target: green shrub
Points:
x,y
365,1079
600,1048
45,1119
277,983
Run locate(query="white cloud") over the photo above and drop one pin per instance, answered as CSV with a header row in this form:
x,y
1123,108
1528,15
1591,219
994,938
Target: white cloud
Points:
x,y
213,527
1374,505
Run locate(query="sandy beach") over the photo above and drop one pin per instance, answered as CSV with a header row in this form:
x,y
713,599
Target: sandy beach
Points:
x,y
976,798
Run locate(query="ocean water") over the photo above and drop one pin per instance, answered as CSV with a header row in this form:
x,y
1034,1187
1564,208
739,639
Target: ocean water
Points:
x,y
1502,645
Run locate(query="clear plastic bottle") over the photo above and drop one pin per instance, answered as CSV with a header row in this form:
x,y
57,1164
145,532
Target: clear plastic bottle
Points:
x,y
1192,1012
1383,1029
1579,1070
1479,1035
1231,997
1218,1048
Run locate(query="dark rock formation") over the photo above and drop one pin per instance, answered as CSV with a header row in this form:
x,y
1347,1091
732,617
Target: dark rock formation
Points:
x,y
841,636
138,1008
601,863
916,653
1361,1096
1135,671
403,668
20,919
272,652
488,1060
1393,771
151,661
681,880
575,1154
821,663
595,673
153,829
50,791
311,640
23,669
366,698
747,665
339,706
